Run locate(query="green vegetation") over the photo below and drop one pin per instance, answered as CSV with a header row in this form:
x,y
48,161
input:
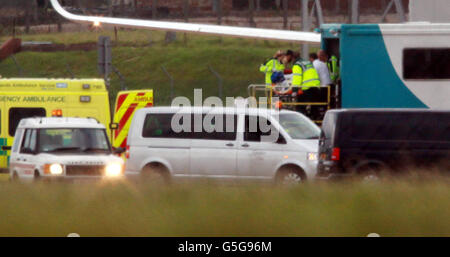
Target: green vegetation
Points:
x,y
210,209
139,54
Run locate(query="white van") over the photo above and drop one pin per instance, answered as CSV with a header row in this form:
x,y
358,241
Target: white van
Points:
x,y
62,148
242,145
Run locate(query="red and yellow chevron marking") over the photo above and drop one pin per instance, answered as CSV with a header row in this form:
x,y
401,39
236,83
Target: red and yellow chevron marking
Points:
x,y
127,104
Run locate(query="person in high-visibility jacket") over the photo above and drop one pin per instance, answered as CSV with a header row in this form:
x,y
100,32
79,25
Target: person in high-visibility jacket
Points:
x,y
306,78
333,66
304,75
273,65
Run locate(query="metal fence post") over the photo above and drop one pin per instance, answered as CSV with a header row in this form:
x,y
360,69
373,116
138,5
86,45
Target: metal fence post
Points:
x,y
219,80
251,10
285,14
305,27
104,61
311,13
69,70
154,9
355,11
171,82
337,6
219,11
19,68
186,18
400,10
121,77
319,12
386,11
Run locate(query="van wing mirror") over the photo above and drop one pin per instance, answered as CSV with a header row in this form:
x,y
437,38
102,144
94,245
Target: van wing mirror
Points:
x,y
114,126
281,140
119,150
322,133
6,148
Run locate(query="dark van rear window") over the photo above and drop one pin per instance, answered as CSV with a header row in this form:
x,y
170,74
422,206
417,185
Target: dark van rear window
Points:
x,y
401,127
329,125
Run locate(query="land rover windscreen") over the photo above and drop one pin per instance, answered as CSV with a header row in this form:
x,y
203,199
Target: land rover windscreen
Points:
x,y
63,148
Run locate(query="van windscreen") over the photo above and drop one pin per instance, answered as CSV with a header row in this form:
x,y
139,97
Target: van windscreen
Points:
x,y
298,126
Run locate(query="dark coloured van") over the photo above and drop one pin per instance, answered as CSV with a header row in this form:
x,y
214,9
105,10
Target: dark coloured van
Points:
x,y
367,141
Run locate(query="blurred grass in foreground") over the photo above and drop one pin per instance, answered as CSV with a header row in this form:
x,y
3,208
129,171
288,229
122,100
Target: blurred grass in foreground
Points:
x,y
398,208
4,177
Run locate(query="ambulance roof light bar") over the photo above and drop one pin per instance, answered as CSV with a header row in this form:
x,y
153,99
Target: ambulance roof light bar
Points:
x,y
242,32
57,113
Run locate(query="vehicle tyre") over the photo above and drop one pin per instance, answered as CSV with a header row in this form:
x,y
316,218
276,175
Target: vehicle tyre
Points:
x,y
370,172
37,176
290,175
155,173
14,177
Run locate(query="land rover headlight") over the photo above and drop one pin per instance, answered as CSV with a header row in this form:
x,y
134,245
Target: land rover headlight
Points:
x,y
113,170
55,169
312,157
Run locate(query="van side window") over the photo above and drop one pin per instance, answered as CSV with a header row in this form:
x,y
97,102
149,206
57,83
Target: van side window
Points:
x,y
17,139
401,127
253,129
434,127
216,127
159,125
426,63
17,114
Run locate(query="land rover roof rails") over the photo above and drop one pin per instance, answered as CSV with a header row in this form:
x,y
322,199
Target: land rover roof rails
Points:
x,y
94,119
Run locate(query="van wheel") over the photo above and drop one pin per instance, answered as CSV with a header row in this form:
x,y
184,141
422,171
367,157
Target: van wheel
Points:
x,y
37,176
14,177
290,175
155,173
369,173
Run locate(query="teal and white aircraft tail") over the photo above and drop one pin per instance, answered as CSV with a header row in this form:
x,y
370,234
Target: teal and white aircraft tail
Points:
x,y
392,65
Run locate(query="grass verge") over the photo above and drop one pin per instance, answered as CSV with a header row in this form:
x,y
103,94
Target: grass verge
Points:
x,y
397,208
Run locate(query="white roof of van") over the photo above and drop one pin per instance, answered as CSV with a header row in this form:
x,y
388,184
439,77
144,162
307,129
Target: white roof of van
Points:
x,y
232,110
60,122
